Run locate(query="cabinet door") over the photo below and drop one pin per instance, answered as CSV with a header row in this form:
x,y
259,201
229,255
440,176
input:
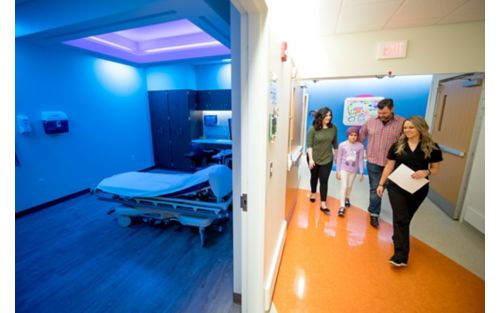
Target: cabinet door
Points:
x,y
158,110
179,103
221,99
204,100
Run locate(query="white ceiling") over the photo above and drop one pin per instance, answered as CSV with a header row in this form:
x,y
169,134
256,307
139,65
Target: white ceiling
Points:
x,y
335,17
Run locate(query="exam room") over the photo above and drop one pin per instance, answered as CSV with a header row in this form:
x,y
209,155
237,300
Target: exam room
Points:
x,y
70,249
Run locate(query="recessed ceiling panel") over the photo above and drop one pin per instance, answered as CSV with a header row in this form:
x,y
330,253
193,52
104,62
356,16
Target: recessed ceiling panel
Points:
x,y
155,43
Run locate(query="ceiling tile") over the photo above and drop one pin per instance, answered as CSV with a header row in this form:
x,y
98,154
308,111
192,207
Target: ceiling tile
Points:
x,y
415,22
472,10
328,16
426,9
358,16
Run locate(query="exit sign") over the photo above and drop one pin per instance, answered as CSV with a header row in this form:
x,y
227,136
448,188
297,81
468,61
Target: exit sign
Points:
x,y
392,49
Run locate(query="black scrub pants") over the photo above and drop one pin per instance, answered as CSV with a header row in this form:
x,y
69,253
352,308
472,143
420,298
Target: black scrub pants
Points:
x,y
321,172
404,205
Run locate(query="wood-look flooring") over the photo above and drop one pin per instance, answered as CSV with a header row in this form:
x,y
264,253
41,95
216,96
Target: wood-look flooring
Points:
x,y
73,257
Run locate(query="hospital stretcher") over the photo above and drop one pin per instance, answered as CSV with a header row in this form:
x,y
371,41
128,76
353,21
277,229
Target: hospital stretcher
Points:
x,y
197,199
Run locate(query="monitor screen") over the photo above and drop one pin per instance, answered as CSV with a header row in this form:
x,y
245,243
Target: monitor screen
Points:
x,y
210,120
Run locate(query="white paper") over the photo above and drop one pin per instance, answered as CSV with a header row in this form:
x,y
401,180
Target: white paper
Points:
x,y
401,176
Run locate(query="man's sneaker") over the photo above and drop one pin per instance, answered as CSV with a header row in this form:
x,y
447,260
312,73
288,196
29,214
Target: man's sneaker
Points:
x,y
341,211
397,262
374,221
325,210
347,203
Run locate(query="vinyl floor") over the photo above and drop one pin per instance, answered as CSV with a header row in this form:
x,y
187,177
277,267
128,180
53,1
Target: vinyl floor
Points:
x,y
73,257
333,264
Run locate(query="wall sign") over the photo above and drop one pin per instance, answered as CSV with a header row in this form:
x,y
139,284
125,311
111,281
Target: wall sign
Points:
x,y
358,109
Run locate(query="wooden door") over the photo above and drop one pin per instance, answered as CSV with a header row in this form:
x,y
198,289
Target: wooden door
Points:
x,y
453,126
158,110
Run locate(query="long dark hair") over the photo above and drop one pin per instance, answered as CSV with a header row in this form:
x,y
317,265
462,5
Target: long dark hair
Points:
x,y
320,116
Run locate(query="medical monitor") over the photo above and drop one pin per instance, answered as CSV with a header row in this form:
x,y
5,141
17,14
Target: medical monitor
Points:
x,y
210,120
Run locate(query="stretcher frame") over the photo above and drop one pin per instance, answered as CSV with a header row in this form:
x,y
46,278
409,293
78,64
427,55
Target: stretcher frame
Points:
x,y
191,209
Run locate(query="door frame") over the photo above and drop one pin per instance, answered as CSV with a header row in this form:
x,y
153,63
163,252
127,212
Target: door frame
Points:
x,y
458,211
253,69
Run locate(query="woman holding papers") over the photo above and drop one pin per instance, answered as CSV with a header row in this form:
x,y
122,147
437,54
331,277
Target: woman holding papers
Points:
x,y
415,150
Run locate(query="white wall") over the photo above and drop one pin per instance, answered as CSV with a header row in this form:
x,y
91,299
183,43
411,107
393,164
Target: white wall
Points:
x,y
450,48
277,154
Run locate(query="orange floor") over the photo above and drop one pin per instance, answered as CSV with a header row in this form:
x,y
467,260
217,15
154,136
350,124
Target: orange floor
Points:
x,y
332,264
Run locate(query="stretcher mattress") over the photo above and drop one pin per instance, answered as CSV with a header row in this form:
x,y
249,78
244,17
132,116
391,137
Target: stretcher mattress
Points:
x,y
139,184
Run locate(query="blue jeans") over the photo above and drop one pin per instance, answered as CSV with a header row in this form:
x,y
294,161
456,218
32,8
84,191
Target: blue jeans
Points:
x,y
374,174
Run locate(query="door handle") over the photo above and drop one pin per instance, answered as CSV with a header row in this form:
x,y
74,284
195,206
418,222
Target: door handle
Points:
x,y
452,151
442,113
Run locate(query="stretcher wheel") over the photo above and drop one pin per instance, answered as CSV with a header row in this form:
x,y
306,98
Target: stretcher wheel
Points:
x,y
124,221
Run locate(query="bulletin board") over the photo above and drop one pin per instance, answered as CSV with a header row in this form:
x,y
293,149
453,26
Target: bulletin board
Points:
x,y
358,109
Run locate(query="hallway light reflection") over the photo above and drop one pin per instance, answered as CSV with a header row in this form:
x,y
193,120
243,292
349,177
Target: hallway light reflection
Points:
x,y
300,284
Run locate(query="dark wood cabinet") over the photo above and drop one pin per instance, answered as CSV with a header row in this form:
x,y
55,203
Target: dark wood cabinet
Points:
x,y
174,122
214,99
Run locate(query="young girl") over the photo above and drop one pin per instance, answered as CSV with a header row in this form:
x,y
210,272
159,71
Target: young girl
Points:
x,y
349,160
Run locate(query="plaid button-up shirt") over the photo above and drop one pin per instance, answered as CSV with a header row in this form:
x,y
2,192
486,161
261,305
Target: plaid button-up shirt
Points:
x,y
380,137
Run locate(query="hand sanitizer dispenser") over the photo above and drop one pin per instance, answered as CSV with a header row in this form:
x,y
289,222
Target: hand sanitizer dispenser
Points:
x,y
55,122
23,124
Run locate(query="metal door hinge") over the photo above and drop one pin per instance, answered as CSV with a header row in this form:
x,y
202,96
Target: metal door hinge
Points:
x,y
243,202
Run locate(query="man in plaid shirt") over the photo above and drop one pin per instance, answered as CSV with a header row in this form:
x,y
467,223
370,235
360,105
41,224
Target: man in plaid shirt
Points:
x,y
382,131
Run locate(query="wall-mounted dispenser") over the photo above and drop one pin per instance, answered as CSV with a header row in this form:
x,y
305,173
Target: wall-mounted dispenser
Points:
x,y
55,122
23,124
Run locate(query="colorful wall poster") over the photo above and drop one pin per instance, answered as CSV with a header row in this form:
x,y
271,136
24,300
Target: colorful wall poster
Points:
x,y
358,109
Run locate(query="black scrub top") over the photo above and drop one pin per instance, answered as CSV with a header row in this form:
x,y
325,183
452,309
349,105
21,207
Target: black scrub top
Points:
x,y
414,159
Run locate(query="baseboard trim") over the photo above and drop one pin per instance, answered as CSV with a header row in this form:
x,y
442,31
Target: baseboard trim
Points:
x,y
475,219
51,203
237,298
62,199
273,271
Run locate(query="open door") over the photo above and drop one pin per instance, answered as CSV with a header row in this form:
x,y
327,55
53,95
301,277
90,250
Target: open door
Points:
x,y
454,123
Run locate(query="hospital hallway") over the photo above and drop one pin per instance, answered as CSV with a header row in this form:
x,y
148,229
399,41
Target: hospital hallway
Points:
x,y
333,264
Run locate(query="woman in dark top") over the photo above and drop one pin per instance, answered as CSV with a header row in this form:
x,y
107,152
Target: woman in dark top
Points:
x,y
321,143
415,149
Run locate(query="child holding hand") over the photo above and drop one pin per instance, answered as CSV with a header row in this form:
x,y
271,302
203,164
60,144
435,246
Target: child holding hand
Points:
x,y
349,160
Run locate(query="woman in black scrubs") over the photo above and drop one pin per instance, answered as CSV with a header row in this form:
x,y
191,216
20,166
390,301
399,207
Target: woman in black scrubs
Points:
x,y
415,149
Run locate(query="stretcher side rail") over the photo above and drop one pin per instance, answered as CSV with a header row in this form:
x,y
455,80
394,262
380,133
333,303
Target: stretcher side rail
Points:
x,y
214,210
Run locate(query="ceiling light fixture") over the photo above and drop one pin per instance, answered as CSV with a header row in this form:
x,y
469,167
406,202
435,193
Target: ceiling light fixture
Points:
x,y
192,45
109,43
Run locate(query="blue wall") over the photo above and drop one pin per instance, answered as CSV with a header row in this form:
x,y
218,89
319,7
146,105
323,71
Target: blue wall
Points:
x,y
410,94
171,77
188,76
213,76
107,107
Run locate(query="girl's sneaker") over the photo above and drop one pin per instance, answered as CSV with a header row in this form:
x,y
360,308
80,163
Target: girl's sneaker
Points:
x,y
347,203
